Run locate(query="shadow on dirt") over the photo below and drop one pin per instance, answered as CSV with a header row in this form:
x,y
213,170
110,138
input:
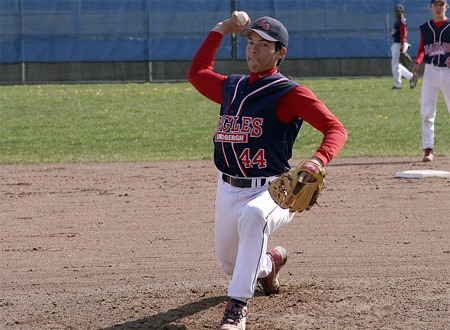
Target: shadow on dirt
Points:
x,y
163,320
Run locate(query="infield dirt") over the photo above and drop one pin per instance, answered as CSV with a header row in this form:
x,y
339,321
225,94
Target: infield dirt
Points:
x,y
131,246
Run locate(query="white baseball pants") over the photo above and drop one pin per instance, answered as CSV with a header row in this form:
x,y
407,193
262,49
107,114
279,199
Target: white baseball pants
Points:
x,y
398,70
435,79
245,218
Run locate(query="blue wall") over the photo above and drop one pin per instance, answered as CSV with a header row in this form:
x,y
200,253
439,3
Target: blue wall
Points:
x,y
152,30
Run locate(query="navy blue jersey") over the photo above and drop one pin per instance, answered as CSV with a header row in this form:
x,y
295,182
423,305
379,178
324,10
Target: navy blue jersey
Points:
x,y
436,43
396,29
250,141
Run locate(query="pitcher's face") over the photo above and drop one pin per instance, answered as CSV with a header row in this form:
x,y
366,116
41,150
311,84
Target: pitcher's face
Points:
x,y
261,54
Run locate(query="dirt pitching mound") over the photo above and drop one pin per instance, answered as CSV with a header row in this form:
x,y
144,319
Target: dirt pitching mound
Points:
x,y
131,246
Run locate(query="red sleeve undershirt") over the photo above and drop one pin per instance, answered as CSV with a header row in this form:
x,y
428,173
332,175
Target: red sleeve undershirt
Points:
x,y
403,34
420,52
299,102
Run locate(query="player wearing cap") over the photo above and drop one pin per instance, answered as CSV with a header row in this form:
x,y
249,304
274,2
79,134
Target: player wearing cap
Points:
x,y
260,117
434,51
400,45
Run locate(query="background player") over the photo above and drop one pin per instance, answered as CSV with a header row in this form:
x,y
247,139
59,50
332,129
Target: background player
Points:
x,y
434,50
260,117
399,45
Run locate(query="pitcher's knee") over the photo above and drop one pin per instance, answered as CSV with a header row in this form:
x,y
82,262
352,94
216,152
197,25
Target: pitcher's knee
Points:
x,y
252,214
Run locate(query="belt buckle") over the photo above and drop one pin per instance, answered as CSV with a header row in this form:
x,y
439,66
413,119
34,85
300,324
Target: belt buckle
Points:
x,y
228,179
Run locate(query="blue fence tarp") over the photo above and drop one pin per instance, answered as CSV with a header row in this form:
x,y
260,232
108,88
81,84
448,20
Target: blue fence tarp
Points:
x,y
153,30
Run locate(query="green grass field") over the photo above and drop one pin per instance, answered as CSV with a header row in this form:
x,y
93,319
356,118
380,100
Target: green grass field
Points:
x,y
172,121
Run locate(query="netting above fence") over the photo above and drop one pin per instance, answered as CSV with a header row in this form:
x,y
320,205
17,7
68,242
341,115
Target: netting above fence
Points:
x,y
153,30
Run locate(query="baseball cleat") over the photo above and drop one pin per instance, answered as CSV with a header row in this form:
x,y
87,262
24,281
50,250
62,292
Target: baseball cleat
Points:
x,y
235,316
413,82
428,156
270,284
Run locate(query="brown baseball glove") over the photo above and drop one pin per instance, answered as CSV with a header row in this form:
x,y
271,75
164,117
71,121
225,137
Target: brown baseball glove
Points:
x,y
405,59
289,193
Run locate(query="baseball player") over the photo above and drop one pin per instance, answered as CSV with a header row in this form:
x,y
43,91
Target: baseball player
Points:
x,y
260,117
434,50
399,46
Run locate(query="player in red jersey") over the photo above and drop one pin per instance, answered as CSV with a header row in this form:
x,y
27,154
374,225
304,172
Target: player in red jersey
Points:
x,y
260,118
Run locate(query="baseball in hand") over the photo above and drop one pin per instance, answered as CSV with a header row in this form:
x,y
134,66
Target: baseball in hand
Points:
x,y
241,17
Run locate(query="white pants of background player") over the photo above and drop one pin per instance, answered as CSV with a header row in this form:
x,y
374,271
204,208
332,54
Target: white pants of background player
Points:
x,y
245,218
435,79
398,70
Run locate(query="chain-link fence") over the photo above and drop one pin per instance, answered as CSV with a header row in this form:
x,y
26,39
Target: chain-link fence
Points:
x,y
167,71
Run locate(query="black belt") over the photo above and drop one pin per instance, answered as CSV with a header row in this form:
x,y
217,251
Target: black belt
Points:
x,y
244,182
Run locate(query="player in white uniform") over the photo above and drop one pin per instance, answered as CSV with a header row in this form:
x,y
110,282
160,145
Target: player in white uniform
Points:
x,y
434,51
